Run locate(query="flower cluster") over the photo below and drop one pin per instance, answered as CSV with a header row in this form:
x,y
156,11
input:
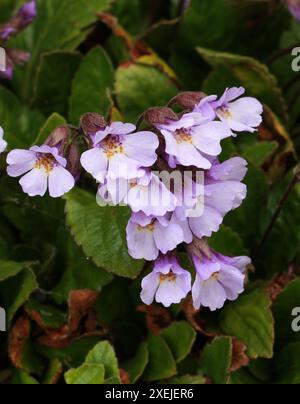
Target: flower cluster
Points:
x,y
128,164
23,17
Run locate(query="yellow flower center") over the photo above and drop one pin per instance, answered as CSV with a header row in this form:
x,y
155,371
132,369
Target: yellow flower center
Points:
x,y
182,136
170,277
46,161
214,277
150,227
112,146
224,112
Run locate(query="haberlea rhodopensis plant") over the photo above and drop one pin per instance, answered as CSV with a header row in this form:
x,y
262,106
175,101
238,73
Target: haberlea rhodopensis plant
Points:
x,y
149,192
122,159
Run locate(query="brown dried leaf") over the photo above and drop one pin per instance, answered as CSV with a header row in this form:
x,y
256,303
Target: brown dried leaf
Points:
x,y
157,318
193,316
124,376
239,356
18,336
278,284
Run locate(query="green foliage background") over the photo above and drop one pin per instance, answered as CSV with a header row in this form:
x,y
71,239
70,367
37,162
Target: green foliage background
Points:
x,y
69,286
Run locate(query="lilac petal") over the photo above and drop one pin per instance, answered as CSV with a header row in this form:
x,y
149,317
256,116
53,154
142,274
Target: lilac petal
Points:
x,y
248,112
206,224
150,285
234,169
3,143
154,199
141,147
232,281
187,121
117,189
170,292
205,268
19,156
50,150
229,95
188,155
207,137
184,225
209,294
120,128
168,238
16,170
141,243
240,262
225,196
61,181
95,162
121,166
35,183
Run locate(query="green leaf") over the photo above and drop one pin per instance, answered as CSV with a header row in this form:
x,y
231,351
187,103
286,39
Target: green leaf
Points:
x,y
227,242
258,153
16,291
136,366
104,354
250,320
73,355
140,87
86,374
100,231
288,364
252,74
253,207
283,307
53,81
186,379
161,362
92,85
79,273
180,337
9,269
20,124
58,25
54,372
21,377
54,121
216,359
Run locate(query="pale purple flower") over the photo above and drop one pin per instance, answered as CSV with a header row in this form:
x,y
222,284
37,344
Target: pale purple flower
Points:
x,y
168,284
294,7
3,143
223,192
190,140
147,236
218,279
43,168
147,194
120,153
240,114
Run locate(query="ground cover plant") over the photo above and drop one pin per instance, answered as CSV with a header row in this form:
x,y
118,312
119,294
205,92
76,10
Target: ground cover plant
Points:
x,y
110,273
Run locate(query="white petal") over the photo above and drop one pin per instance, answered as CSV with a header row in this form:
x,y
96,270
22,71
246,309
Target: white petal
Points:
x,y
61,181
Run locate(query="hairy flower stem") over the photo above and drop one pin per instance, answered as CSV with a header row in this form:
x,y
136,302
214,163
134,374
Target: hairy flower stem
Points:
x,y
295,180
